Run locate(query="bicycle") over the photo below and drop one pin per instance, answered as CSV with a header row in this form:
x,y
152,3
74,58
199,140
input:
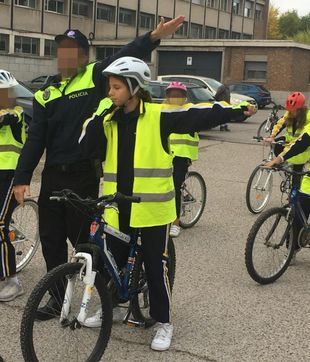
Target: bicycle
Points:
x,y
79,287
24,232
193,199
260,183
271,242
265,129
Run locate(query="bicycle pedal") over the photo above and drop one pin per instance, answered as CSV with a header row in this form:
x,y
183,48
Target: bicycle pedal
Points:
x,y
134,323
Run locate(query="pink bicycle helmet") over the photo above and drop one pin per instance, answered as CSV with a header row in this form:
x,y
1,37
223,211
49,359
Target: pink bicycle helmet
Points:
x,y
295,101
177,85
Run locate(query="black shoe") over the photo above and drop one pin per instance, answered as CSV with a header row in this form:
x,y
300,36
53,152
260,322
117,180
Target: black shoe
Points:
x,y
224,128
51,310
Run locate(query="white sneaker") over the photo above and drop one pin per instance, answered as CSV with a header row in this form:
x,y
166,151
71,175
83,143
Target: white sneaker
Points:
x,y
174,231
162,339
95,320
10,291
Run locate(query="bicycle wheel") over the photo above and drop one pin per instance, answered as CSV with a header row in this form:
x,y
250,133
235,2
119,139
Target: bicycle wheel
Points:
x,y
140,302
24,232
193,199
259,189
264,129
67,340
270,246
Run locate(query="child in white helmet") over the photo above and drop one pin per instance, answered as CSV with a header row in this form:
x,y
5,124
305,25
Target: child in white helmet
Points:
x,y
138,162
12,138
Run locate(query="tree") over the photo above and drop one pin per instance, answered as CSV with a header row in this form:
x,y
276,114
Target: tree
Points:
x,y
289,24
303,37
273,23
305,23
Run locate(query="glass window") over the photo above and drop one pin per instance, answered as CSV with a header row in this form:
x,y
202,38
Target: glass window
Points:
x,y
105,52
55,6
2,1
183,29
201,95
127,16
26,3
255,71
223,5
235,35
210,32
147,21
25,45
259,12
247,36
199,2
212,3
236,7
80,8
106,12
223,34
4,42
248,9
196,31
49,48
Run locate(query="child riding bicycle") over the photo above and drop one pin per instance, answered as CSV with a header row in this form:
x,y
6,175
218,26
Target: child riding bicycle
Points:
x,y
12,138
138,162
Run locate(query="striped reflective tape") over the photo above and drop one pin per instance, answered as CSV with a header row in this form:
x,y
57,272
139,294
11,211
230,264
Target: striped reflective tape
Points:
x,y
152,197
109,176
153,172
184,142
10,148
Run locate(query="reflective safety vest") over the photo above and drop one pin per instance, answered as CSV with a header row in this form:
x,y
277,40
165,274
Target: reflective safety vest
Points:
x,y
305,183
153,180
184,145
291,137
10,148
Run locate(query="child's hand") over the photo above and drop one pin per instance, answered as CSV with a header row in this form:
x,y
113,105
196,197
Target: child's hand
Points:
x,y
251,110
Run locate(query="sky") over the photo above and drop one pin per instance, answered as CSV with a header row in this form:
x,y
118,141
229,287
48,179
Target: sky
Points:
x,y
302,6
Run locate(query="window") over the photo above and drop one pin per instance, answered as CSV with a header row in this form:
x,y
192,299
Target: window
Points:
x,y
247,36
165,18
255,71
223,4
26,3
49,48
106,12
236,7
212,3
210,32
196,31
57,6
104,52
248,9
127,16
4,42
183,29
147,21
259,12
80,8
223,34
2,1
25,45
235,35
199,2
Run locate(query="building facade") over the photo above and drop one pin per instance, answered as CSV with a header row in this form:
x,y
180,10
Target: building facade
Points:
x,y
28,27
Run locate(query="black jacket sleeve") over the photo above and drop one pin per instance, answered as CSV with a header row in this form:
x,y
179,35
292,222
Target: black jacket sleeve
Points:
x,y
196,118
141,47
34,146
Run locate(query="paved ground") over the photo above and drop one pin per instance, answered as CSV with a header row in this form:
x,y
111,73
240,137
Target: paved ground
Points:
x,y
219,313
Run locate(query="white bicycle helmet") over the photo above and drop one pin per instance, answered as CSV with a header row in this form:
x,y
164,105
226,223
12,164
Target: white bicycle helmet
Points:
x,y
130,68
6,79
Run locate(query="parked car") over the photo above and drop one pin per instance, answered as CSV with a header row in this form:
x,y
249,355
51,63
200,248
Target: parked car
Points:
x,y
38,82
258,92
195,94
212,86
24,98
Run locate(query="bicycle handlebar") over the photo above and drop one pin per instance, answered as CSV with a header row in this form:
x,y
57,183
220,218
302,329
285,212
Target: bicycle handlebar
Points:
x,y
287,170
260,138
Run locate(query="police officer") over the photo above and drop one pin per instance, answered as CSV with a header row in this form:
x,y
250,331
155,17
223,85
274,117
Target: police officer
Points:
x,y
12,138
59,111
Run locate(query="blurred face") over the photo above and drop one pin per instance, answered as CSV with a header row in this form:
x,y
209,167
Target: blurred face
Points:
x,y
7,99
70,57
176,96
118,91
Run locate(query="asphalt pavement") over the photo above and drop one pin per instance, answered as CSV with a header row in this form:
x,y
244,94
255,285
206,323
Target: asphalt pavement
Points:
x,y
219,313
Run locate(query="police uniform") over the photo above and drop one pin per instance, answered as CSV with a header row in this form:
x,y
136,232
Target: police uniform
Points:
x,y
59,111
12,138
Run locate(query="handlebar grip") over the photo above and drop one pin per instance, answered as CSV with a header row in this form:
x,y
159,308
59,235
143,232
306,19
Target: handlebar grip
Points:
x,y
258,138
120,197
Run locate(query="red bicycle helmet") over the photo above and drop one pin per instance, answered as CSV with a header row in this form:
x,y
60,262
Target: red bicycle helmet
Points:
x,y
294,101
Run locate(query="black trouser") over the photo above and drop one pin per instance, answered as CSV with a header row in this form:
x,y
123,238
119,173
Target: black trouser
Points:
x,y
180,169
154,242
7,205
59,221
298,223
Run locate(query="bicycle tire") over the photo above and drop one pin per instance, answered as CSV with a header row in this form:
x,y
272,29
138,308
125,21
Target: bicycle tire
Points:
x,y
261,128
33,241
57,274
184,223
139,278
250,206
251,266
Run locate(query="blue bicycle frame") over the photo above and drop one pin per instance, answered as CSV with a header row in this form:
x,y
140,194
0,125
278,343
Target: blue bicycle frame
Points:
x,y
294,199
